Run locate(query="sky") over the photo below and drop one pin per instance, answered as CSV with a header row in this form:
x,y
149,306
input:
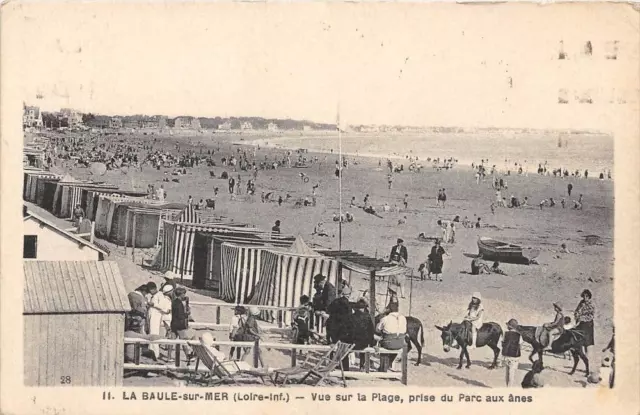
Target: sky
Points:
x,y
490,65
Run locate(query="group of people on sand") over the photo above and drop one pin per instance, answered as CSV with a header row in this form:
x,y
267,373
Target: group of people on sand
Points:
x,y
156,312
545,335
349,322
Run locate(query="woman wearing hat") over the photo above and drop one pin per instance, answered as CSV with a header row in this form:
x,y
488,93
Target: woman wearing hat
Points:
x,y
159,315
436,261
511,351
555,328
473,319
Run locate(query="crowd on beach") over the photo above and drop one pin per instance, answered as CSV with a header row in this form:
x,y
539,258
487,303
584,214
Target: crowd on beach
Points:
x,y
164,311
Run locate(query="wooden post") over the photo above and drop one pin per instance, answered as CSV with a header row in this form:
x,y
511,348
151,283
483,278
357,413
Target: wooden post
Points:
x,y
367,362
411,291
372,293
136,353
178,355
218,315
256,353
126,232
294,357
133,237
405,366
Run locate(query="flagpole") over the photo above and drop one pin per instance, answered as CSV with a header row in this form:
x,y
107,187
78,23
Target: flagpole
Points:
x,y
339,180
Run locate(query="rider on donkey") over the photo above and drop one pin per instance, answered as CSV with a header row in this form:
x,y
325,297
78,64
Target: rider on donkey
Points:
x,y
473,320
554,329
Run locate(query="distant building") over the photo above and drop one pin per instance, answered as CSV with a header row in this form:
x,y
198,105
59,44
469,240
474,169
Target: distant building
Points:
x,y
115,122
272,126
246,126
31,117
187,122
73,117
131,123
44,240
307,128
224,126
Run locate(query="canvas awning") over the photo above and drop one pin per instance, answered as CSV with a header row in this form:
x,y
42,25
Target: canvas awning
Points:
x,y
363,264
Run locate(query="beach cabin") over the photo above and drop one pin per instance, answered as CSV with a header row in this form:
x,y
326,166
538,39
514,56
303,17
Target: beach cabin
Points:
x,y
73,314
286,275
43,240
33,157
138,221
177,247
230,264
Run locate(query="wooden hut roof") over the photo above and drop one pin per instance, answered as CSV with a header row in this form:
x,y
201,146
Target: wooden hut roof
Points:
x,y
73,287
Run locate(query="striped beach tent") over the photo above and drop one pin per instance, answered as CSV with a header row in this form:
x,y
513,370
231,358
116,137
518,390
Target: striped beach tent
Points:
x,y
286,276
177,252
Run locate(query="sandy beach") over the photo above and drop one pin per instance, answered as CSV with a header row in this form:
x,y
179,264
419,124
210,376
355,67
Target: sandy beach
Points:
x,y
525,293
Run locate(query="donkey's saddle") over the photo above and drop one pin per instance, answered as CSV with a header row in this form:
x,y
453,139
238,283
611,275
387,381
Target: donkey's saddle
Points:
x,y
545,337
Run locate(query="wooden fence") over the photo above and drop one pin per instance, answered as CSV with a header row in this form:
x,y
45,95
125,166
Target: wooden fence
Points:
x,y
319,321
256,347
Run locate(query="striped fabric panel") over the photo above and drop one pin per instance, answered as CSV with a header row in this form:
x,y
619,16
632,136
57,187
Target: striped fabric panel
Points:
x,y
210,264
64,205
247,273
189,215
168,243
76,199
293,277
27,187
229,265
56,197
264,291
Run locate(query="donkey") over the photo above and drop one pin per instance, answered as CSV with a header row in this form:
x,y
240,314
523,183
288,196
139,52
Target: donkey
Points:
x,y
572,340
415,333
528,334
454,335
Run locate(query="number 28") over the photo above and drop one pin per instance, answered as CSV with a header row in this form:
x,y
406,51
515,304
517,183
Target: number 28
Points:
x,y
65,380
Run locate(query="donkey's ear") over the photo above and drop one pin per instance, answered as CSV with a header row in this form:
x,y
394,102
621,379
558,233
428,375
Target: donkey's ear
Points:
x,y
450,323
439,328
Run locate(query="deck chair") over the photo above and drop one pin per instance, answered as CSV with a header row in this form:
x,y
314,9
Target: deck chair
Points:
x,y
225,371
319,370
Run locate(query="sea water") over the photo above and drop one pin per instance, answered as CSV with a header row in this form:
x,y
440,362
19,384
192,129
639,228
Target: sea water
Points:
x,y
580,151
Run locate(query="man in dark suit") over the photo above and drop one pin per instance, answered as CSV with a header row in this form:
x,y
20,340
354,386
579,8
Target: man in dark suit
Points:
x,y
328,293
362,328
399,253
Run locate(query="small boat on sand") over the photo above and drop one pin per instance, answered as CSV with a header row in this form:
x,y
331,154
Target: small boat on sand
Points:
x,y
494,250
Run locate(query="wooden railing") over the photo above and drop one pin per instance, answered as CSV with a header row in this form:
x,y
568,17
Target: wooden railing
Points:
x,y
256,348
319,321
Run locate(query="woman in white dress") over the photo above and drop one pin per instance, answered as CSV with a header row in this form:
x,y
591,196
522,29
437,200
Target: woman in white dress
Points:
x,y
159,312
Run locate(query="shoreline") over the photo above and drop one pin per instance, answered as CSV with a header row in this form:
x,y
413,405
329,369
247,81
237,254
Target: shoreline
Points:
x,y
283,143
